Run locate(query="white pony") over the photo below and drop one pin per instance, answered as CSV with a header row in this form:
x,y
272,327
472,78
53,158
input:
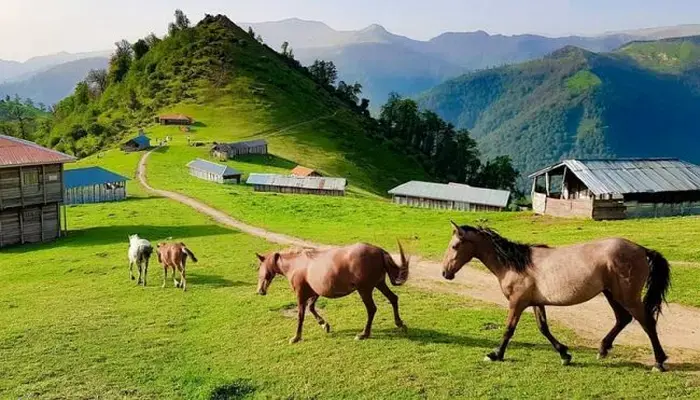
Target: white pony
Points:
x,y
140,251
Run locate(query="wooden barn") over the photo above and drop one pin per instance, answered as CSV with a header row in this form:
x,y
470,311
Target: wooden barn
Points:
x,y
303,171
174,119
297,184
214,172
138,143
31,191
223,151
452,196
93,185
616,189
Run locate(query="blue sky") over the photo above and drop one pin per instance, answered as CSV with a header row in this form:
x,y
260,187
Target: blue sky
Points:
x,y
35,27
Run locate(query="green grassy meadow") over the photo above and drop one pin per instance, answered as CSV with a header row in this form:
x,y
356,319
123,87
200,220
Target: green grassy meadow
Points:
x,y
74,326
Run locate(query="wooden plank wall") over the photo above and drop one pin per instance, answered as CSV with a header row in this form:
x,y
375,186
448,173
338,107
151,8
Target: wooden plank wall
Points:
x,y
32,224
442,204
278,189
94,194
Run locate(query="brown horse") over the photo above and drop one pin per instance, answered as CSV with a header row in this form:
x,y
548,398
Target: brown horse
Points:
x,y
174,255
333,273
538,276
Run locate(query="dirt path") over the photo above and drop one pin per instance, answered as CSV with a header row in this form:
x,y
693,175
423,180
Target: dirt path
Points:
x,y
678,326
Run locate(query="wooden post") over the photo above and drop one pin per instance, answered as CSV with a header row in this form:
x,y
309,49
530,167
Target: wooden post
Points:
x,y
41,215
546,182
563,187
43,186
21,188
65,221
21,225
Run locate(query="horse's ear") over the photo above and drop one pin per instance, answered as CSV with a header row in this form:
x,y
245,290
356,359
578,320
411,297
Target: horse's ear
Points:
x,y
457,229
261,258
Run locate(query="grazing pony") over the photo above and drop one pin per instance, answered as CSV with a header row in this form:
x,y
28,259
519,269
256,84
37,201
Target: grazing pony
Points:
x,y
538,276
333,273
174,255
140,251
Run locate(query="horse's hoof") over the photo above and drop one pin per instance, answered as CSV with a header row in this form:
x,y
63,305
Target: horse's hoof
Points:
x,y
361,336
492,357
295,339
132,278
327,327
601,356
566,359
659,367
403,328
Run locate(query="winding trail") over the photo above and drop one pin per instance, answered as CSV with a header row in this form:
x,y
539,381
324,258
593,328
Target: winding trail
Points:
x,y
679,326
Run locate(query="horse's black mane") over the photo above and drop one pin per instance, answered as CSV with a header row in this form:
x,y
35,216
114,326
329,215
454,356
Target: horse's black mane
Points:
x,y
514,255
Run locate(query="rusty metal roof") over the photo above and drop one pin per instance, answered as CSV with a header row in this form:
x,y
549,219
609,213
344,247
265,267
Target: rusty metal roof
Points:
x,y
302,171
638,175
308,182
453,192
15,152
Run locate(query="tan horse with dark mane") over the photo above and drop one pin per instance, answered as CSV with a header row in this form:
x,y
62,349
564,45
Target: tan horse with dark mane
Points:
x,y
174,256
333,273
539,276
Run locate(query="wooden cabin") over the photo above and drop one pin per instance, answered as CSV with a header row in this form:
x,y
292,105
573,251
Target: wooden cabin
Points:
x,y
174,119
452,196
31,192
93,185
213,172
603,189
224,151
297,184
138,143
303,171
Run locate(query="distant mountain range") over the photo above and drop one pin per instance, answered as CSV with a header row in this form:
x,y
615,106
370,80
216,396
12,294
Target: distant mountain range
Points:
x,y
383,62
641,100
51,85
380,60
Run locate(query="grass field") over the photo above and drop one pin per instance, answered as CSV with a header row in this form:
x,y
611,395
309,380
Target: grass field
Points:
x,y
425,232
74,326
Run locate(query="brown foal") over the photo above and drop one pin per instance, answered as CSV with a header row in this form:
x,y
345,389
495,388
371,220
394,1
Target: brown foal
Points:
x,y
333,273
538,276
174,256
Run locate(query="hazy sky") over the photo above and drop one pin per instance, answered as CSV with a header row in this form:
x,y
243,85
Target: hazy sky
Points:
x,y
35,27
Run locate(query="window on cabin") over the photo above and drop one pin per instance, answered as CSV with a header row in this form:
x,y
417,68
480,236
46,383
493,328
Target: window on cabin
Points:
x,y
30,177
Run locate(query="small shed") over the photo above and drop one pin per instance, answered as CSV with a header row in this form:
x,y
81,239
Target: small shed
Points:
x,y
297,184
617,188
174,119
224,151
31,191
303,171
138,143
452,196
93,185
214,172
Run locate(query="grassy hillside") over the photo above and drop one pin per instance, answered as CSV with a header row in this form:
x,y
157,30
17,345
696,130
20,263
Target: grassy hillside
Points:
x,y
105,337
574,103
236,89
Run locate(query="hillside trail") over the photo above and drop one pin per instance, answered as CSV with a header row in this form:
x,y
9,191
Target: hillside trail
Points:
x,y
678,326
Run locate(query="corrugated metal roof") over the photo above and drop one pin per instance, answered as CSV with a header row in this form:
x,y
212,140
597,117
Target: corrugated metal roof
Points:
x,y
73,178
214,168
302,171
15,152
627,176
142,140
239,145
308,182
453,192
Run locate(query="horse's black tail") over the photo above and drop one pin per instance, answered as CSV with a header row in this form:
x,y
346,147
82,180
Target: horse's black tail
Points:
x,y
147,252
398,274
188,252
657,284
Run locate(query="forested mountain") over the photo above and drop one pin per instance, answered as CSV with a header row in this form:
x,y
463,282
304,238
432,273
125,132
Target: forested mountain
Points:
x,y
640,101
21,118
52,85
384,62
13,70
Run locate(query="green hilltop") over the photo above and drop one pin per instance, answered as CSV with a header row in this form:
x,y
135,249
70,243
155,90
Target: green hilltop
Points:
x,y
575,103
236,88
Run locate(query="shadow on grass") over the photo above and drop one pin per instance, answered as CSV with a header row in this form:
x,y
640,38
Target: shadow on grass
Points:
x,y
214,281
199,124
238,389
119,234
269,160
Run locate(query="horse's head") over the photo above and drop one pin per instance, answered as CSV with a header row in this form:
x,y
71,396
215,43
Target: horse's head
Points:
x,y
460,251
267,270
133,238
